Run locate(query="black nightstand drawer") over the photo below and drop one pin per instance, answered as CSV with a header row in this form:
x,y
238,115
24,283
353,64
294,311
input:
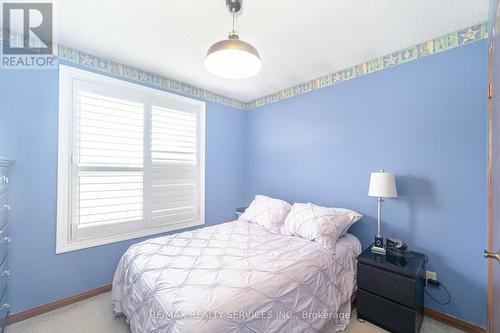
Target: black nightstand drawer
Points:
x,y
386,314
397,288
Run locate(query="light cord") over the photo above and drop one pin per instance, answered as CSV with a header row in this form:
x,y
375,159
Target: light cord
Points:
x,y
437,301
441,285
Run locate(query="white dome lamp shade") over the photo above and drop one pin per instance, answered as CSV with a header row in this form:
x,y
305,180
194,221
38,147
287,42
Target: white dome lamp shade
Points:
x,y
233,58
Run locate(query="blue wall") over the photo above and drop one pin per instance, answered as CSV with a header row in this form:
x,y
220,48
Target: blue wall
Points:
x,y
28,134
427,122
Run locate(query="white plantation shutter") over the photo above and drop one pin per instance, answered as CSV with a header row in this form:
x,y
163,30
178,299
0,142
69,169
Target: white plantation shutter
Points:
x,y
110,140
174,163
131,161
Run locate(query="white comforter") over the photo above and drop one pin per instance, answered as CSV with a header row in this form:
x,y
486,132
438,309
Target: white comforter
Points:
x,y
233,277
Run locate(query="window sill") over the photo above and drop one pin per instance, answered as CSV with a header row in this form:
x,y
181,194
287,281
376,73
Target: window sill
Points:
x,y
68,246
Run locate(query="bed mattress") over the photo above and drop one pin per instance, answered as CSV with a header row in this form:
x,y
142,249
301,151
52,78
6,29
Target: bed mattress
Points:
x,y
234,277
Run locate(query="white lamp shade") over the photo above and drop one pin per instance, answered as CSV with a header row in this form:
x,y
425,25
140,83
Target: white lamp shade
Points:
x,y
382,184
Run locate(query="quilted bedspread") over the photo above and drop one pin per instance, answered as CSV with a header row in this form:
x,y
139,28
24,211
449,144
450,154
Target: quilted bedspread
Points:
x,y
233,277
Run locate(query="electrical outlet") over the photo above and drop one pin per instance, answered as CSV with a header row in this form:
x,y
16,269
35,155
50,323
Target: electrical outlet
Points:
x,y
431,276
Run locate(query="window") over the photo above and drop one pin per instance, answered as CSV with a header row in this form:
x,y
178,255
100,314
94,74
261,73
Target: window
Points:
x,y
131,161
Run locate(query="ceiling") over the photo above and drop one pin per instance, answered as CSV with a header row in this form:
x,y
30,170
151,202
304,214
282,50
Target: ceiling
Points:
x,y
298,40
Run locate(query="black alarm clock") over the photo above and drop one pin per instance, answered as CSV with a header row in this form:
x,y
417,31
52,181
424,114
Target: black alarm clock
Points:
x,y
396,247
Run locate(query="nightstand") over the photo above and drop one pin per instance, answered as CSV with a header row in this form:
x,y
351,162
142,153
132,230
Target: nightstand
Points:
x,y
391,290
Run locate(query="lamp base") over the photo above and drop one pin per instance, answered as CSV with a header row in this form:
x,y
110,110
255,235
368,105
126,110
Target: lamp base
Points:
x,y
378,250
378,246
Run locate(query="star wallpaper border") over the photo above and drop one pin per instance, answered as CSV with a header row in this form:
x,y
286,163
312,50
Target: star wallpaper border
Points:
x,y
430,47
427,48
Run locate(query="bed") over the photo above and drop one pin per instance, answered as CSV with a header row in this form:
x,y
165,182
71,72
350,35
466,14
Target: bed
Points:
x,y
235,277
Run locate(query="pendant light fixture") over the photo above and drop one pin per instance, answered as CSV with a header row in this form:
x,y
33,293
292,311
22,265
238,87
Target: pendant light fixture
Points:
x,y
233,58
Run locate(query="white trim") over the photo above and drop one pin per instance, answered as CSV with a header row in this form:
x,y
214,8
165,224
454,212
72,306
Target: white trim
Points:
x,y
63,163
69,78
72,72
202,163
83,244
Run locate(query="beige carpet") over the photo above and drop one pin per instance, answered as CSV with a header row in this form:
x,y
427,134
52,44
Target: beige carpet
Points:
x,y
94,315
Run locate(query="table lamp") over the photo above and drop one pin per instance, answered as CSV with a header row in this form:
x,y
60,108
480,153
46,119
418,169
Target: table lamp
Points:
x,y
382,185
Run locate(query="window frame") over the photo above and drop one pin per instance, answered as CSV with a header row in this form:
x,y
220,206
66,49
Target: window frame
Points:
x,y
69,79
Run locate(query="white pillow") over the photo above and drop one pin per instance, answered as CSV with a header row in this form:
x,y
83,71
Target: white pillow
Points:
x,y
267,212
320,224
